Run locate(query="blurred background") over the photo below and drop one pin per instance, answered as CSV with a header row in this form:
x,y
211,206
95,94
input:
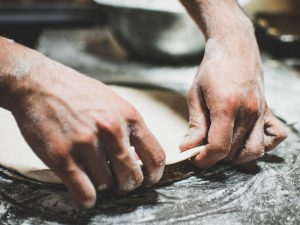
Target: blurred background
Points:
x,y
156,31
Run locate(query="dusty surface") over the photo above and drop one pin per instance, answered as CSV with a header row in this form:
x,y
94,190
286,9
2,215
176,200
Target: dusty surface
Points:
x,y
266,192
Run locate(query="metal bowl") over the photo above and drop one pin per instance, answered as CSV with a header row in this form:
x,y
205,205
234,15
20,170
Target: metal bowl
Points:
x,y
151,32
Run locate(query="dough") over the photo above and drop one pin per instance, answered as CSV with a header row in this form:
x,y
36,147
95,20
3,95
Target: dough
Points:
x,y
164,112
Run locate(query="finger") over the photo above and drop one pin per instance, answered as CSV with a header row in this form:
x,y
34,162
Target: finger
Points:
x,y
61,162
76,181
150,153
95,164
254,147
198,120
219,141
275,132
244,124
126,169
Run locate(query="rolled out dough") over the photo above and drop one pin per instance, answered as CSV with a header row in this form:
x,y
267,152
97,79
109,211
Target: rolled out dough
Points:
x,y
164,112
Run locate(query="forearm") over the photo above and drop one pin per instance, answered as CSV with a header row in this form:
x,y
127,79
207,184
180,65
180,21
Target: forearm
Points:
x,y
218,19
5,71
16,62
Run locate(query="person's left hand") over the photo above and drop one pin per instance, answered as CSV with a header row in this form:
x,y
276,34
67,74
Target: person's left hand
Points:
x,y
228,110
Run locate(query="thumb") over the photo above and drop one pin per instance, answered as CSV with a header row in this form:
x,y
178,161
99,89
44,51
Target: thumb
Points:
x,y
275,131
198,120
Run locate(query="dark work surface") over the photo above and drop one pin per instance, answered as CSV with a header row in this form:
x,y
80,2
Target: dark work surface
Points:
x,y
264,192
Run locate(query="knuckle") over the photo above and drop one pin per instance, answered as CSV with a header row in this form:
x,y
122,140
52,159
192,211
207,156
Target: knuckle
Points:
x,y
133,116
110,125
85,136
227,104
197,124
253,109
230,99
60,156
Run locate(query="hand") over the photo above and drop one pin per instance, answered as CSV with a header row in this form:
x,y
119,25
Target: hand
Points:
x,y
228,110
83,131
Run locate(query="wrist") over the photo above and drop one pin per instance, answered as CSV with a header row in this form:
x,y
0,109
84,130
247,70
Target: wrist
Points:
x,y
236,27
5,74
226,20
4,99
234,39
241,41
219,19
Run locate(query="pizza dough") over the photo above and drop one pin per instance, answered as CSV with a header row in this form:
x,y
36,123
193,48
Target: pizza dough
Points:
x,y
164,112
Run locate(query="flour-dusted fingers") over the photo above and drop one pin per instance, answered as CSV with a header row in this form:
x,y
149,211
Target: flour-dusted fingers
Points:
x,y
55,147
254,146
198,120
61,161
92,155
231,65
275,131
95,163
78,184
149,151
246,118
76,180
126,168
115,139
219,140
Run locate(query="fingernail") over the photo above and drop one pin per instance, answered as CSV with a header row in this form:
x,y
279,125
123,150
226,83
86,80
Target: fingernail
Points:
x,y
154,178
89,204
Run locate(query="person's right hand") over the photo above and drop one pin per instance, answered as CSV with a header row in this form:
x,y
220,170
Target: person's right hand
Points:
x,y
83,130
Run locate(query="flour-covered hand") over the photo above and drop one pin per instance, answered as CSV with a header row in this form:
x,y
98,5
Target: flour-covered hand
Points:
x,y
228,110
78,126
